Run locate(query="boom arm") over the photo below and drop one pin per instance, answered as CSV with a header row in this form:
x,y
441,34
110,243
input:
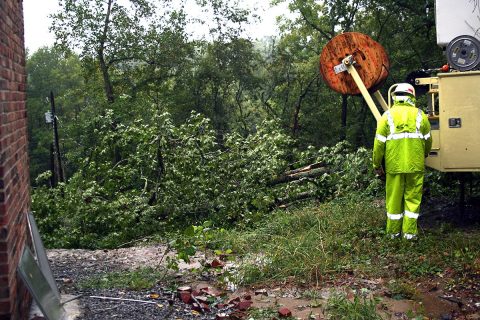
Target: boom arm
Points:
x,y
348,64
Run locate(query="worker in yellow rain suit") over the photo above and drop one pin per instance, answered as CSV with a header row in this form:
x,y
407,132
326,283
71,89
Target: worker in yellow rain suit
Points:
x,y
403,138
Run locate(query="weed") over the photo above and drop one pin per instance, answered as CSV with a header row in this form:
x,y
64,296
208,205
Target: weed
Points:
x,y
423,268
311,294
201,237
340,308
142,278
265,314
413,315
402,289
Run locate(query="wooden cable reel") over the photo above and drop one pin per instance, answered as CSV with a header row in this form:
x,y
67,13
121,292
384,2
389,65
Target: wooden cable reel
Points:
x,y
371,60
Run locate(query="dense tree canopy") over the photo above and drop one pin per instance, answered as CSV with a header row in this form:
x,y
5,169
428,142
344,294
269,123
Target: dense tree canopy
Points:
x,y
157,126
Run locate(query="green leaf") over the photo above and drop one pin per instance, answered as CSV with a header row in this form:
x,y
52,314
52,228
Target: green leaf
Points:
x,y
189,231
208,224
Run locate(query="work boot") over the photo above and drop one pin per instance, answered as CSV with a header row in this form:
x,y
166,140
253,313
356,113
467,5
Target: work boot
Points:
x,y
393,235
410,236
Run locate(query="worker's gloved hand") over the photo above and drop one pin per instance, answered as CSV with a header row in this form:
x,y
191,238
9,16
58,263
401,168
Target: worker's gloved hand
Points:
x,y
379,173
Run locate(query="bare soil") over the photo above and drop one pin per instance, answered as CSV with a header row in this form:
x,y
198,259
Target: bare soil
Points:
x,y
448,297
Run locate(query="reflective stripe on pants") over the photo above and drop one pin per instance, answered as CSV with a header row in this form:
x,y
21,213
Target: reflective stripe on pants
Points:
x,y
404,195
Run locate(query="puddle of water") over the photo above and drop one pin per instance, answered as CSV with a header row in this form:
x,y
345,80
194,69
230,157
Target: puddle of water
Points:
x,y
435,306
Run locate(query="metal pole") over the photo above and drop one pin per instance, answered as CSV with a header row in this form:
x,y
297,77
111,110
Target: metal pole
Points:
x,y
56,140
381,100
348,62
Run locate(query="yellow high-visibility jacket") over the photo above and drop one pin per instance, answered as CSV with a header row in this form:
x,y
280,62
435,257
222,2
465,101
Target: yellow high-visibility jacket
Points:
x,y
403,138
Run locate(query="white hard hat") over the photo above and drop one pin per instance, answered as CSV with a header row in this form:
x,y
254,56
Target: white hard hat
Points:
x,y
404,88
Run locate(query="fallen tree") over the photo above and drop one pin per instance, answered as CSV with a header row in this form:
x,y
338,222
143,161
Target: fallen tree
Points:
x,y
310,171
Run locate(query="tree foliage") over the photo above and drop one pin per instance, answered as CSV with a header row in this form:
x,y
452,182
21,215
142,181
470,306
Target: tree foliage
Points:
x,y
161,130
50,69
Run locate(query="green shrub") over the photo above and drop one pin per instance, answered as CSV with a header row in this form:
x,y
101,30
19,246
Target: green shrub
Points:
x,y
152,176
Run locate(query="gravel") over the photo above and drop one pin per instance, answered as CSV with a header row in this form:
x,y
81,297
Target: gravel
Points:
x,y
71,267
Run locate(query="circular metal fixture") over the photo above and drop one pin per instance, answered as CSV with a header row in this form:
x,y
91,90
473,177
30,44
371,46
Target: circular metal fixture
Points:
x,y
463,53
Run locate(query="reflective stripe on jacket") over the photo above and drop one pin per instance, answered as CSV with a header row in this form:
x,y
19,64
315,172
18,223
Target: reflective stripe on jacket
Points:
x,y
403,137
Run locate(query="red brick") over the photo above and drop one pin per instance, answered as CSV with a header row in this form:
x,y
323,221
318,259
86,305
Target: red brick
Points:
x,y
4,267
244,305
4,292
3,262
284,312
14,196
4,306
185,296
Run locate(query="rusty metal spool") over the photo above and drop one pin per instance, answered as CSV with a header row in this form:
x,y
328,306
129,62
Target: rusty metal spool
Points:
x,y
372,62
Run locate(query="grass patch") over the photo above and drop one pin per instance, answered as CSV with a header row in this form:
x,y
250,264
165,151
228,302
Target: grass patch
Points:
x,y
318,242
139,279
340,308
400,289
265,314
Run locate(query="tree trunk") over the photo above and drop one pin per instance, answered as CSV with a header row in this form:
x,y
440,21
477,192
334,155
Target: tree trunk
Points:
x,y
219,115
343,133
297,176
159,171
107,83
238,99
298,105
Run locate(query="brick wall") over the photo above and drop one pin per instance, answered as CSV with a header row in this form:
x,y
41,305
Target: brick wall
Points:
x,y
14,180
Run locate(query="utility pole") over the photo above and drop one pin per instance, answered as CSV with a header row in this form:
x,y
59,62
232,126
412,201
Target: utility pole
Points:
x,y
56,140
53,180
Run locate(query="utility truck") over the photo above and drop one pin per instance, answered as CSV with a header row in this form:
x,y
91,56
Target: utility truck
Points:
x,y
353,63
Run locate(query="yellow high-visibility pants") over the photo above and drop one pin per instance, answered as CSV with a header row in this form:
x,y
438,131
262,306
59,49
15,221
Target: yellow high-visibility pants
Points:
x,y
404,195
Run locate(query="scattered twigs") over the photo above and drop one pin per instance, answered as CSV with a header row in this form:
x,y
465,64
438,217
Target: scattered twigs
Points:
x,y
135,240
167,250
199,304
72,298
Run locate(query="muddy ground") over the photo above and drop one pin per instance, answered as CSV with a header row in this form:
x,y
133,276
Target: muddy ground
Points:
x,y
446,296
434,298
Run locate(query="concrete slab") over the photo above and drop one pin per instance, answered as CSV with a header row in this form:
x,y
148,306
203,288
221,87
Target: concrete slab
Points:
x,y
72,309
